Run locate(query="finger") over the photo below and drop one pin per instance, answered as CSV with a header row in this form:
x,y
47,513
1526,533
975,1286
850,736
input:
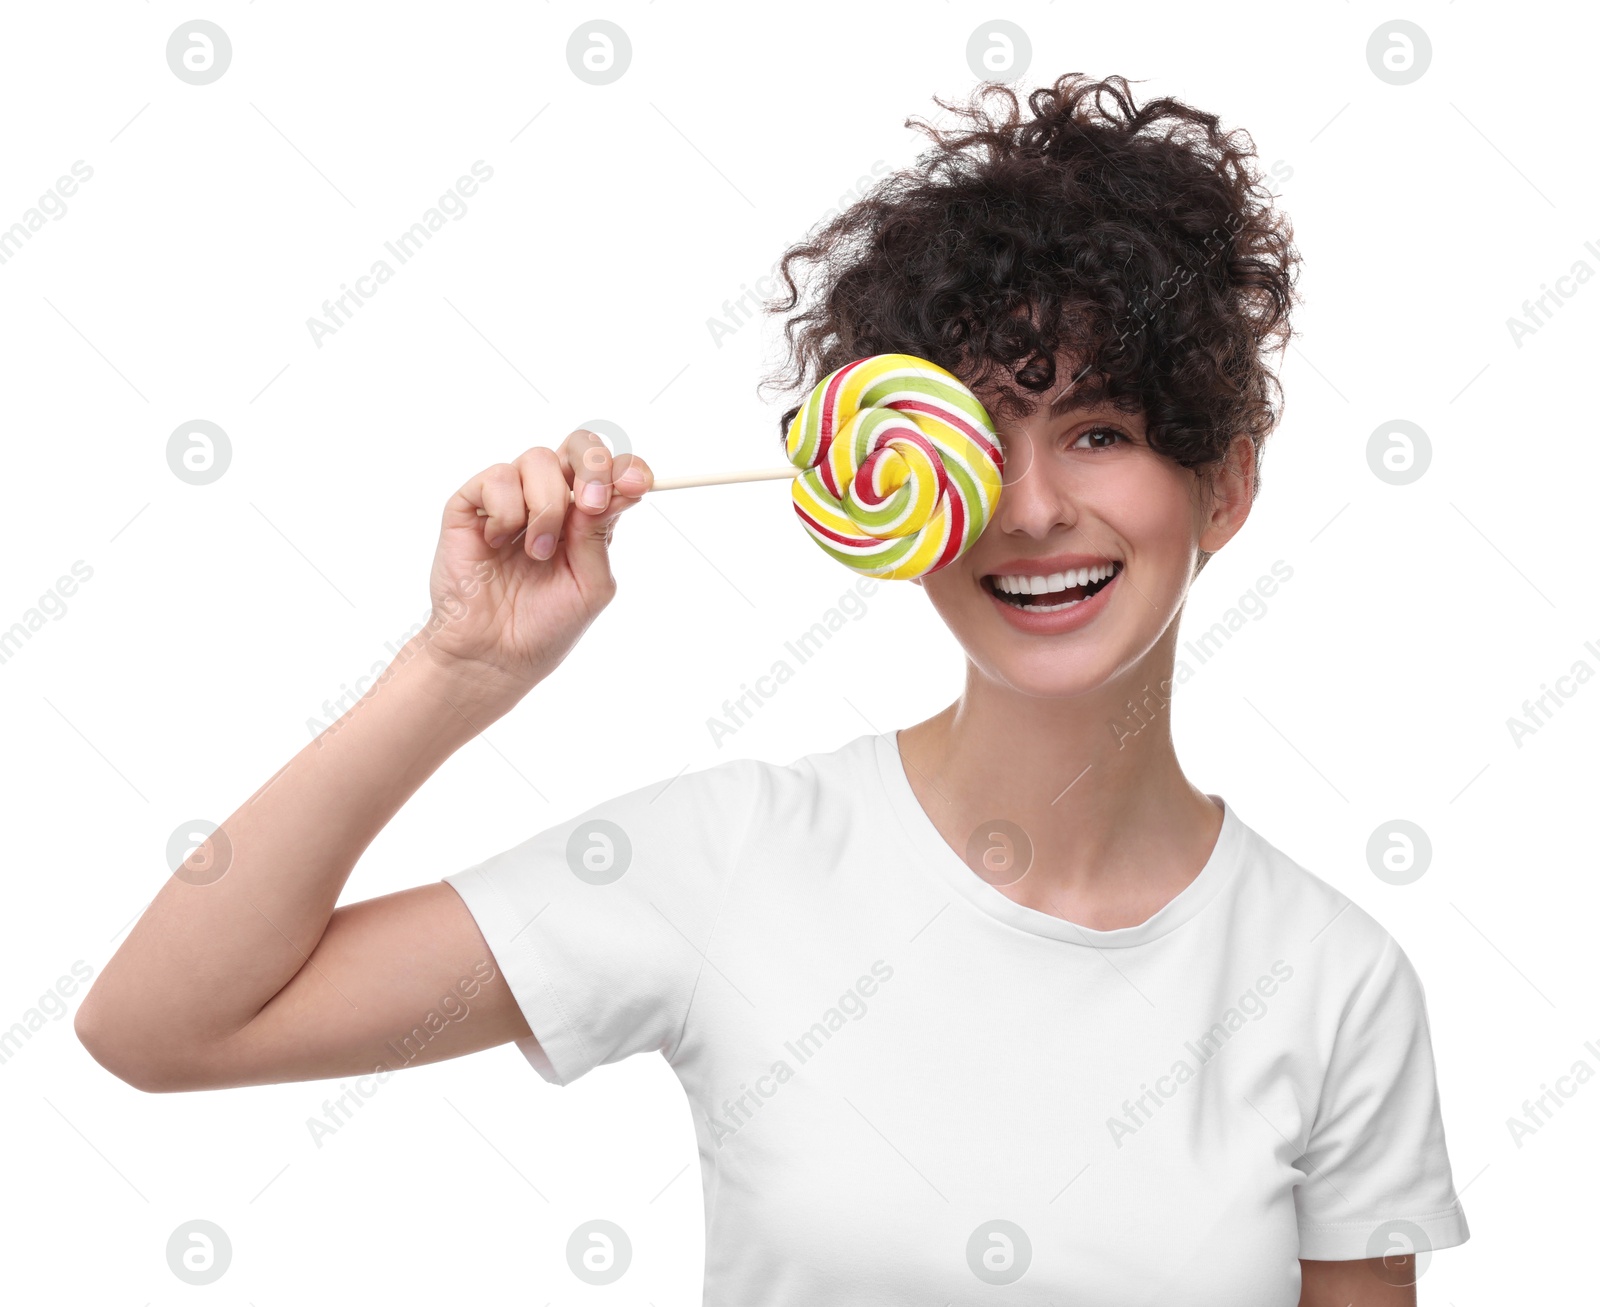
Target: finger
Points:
x,y
544,493
587,460
497,491
632,476
633,480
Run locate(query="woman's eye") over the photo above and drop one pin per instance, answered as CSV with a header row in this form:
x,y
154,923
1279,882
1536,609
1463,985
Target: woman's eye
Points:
x,y
1110,436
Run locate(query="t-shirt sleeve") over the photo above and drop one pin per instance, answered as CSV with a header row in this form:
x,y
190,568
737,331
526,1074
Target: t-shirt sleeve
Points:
x,y
600,925
1378,1176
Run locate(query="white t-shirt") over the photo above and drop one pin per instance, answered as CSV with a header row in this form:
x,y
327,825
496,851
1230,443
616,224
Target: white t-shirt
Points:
x,y
909,1088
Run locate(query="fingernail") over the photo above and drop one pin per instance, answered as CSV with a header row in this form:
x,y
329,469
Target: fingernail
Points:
x,y
544,546
594,495
497,541
633,478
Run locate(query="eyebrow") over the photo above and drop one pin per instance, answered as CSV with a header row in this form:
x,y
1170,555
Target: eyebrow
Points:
x,y
1072,396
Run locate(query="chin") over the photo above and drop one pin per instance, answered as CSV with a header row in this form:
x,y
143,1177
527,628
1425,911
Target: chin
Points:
x,y
1057,676
1088,659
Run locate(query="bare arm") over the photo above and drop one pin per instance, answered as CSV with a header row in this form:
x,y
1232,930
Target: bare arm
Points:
x,y
1369,1282
241,971
254,977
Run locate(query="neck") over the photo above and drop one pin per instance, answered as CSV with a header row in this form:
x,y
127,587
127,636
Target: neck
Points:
x,y
1114,824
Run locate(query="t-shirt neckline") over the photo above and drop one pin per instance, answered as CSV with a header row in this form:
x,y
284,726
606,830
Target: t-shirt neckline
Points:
x,y
930,850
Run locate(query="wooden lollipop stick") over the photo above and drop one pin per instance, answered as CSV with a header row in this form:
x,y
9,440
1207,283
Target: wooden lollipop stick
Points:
x,y
709,479
725,478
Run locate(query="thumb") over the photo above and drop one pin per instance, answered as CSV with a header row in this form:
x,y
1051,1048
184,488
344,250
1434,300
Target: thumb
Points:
x,y
588,540
589,534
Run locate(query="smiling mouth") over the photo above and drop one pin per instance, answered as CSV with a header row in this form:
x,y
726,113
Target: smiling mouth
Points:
x,y
1050,594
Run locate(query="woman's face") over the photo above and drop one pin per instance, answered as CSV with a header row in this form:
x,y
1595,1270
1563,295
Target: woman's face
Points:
x,y
1082,489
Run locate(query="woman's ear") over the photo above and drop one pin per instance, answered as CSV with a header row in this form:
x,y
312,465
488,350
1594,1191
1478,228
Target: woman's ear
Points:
x,y
1228,495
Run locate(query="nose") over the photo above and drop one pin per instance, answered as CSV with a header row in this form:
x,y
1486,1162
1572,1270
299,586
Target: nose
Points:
x,y
1036,497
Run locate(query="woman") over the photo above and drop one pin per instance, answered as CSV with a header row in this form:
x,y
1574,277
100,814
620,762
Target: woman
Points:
x,y
999,999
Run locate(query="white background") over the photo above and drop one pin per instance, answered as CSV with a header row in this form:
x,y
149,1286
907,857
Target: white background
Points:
x,y
578,286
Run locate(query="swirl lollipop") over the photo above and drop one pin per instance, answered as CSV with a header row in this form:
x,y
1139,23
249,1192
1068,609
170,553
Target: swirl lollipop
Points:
x,y
900,466
895,464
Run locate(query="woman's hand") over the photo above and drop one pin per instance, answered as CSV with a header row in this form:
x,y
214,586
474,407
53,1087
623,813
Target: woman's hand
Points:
x,y
514,590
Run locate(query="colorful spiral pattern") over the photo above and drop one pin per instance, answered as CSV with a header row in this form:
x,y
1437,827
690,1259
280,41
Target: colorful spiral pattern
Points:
x,y
900,466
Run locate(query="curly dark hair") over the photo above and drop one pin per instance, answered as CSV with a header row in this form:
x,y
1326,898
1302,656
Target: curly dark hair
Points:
x,y
1141,241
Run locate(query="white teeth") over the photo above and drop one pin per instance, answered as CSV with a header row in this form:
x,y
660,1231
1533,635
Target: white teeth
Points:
x,y
1055,582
